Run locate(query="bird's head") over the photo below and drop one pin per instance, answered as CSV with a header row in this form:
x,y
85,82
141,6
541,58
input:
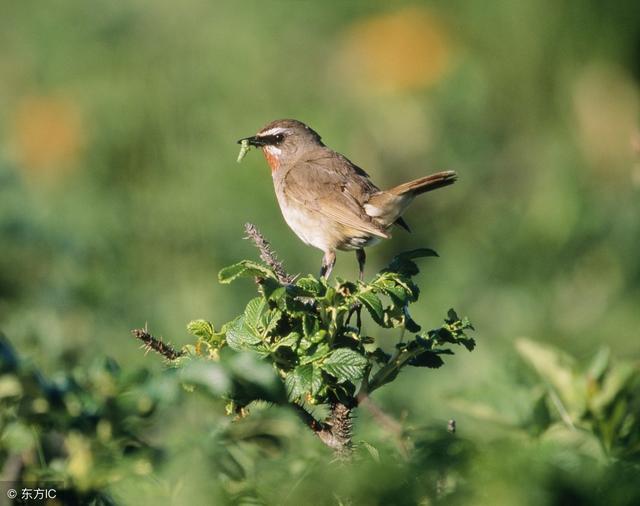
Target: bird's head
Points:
x,y
283,140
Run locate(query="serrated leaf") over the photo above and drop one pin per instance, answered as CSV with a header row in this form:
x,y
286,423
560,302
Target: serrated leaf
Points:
x,y
397,293
318,337
240,336
245,268
299,381
290,341
374,305
310,325
278,294
310,285
316,380
321,351
201,328
429,359
345,364
270,320
254,311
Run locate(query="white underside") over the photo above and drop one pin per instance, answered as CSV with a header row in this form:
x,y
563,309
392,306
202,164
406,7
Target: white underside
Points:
x,y
306,227
318,231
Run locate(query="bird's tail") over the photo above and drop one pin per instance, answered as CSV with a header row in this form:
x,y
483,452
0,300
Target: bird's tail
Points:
x,y
387,206
425,184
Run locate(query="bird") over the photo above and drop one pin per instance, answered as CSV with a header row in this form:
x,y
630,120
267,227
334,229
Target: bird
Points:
x,y
327,200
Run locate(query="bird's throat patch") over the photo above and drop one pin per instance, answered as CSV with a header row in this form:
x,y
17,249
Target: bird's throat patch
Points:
x,y
272,157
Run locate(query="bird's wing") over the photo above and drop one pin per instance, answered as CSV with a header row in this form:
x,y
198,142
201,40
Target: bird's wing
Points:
x,y
331,185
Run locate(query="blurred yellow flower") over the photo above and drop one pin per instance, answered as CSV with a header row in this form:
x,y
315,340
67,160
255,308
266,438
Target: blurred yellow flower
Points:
x,y
606,104
47,135
402,50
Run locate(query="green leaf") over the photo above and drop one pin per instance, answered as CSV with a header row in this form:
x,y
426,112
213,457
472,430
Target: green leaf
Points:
x,y
452,316
310,284
614,383
254,311
345,364
558,370
241,337
374,305
409,323
380,356
310,325
300,381
453,332
201,328
270,320
321,351
316,380
429,359
599,364
416,253
396,292
245,268
403,263
289,341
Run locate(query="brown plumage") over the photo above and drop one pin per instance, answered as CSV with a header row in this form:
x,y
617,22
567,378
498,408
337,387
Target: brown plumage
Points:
x,y
328,201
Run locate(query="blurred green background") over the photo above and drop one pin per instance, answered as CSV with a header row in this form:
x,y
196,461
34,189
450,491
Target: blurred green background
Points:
x,y
120,196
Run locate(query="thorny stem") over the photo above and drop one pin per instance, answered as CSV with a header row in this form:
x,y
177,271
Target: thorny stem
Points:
x,y
335,431
155,344
267,254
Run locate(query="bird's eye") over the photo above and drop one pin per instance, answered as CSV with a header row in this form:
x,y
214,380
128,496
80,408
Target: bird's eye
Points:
x,y
279,138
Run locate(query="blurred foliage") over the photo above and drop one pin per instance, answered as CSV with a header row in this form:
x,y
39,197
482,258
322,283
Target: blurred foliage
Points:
x,y
80,430
120,200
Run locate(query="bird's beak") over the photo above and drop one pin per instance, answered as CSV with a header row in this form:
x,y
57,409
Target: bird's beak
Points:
x,y
253,141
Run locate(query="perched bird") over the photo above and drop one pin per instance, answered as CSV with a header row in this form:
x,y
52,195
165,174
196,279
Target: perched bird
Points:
x,y
328,201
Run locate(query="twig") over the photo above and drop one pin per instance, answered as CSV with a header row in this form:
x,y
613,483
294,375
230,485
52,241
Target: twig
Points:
x,y
386,420
390,423
267,254
152,343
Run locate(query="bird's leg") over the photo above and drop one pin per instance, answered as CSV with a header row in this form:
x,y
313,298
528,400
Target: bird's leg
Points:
x,y
357,307
362,257
328,261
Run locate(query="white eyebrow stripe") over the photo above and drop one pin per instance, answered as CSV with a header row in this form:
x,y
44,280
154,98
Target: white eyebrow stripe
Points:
x,y
272,131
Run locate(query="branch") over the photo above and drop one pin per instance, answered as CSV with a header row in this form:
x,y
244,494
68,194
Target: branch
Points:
x,y
336,432
267,255
152,343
